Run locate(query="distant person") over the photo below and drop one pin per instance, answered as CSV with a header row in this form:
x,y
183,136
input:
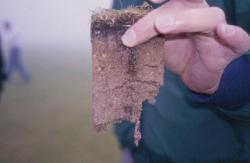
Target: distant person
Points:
x,y
15,54
2,76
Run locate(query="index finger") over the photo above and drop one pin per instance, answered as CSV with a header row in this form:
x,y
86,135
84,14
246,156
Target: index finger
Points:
x,y
141,31
145,29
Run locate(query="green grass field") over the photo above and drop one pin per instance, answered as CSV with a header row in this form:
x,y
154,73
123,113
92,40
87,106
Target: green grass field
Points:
x,y
49,119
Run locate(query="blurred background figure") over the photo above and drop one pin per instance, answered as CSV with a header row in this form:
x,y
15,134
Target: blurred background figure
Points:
x,y
14,53
48,120
2,76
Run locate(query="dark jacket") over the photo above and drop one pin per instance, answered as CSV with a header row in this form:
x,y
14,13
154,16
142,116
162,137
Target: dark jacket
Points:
x,y
184,127
2,76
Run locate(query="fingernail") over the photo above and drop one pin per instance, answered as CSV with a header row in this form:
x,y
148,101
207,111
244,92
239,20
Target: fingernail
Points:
x,y
228,30
129,38
165,23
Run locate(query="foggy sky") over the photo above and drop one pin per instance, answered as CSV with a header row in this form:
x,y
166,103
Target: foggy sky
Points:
x,y
51,23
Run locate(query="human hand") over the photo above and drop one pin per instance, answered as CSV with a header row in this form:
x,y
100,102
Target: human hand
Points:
x,y
199,43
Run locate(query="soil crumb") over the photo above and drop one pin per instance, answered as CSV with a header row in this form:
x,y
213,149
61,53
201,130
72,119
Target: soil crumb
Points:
x,y
123,78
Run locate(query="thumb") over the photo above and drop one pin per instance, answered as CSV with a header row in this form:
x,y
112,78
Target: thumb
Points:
x,y
235,37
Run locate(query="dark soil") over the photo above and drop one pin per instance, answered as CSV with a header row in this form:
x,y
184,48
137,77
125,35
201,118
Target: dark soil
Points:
x,y
123,78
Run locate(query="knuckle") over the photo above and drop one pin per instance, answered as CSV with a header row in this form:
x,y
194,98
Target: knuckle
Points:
x,y
241,30
248,42
240,33
243,40
220,14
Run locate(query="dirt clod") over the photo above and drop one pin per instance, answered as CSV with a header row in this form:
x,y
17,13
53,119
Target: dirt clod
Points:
x,y
123,77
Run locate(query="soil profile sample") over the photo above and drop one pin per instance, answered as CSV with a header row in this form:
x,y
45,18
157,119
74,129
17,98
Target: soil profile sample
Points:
x,y
123,78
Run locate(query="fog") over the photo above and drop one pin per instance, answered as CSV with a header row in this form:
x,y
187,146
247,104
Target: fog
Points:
x,y
51,23
48,119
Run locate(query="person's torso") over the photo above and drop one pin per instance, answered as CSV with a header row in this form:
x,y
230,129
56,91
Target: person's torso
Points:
x,y
10,41
178,130
1,66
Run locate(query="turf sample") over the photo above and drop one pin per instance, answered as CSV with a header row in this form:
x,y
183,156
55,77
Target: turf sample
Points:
x,y
123,78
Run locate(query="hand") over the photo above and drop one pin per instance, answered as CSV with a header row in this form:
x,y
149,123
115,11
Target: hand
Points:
x,y
199,43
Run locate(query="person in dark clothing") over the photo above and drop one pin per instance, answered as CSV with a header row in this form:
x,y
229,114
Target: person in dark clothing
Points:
x,y
202,113
2,75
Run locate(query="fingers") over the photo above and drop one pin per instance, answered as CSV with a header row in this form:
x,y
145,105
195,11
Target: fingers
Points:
x,y
193,20
140,32
168,20
144,29
235,37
